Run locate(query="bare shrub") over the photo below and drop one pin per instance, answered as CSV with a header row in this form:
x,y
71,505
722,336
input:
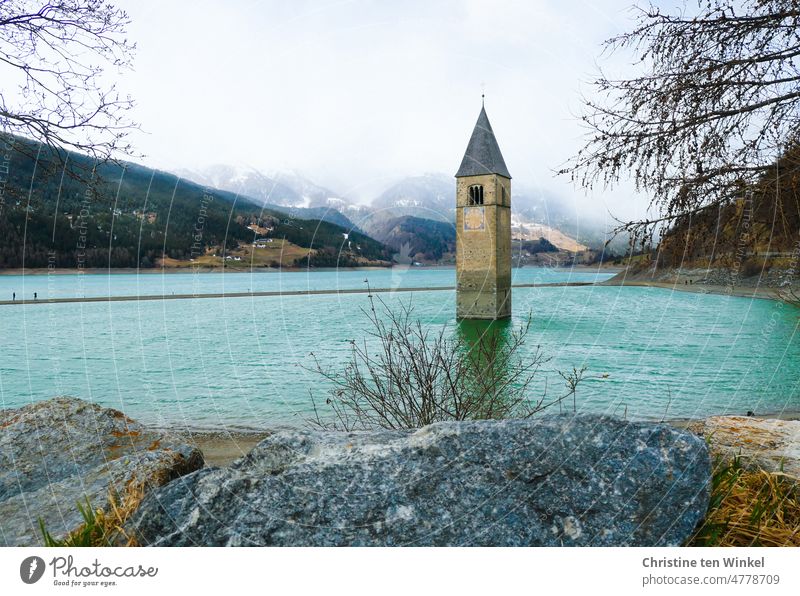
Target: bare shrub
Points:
x,y
404,375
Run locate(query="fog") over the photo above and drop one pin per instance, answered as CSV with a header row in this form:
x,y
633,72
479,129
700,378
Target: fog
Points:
x,y
356,94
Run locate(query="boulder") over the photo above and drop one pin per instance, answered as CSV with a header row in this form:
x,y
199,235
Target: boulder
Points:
x,y
58,453
553,480
770,444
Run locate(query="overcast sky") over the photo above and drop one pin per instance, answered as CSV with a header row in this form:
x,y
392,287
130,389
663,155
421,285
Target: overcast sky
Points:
x,y
355,94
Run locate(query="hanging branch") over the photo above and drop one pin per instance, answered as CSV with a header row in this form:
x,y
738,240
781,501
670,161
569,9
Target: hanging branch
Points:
x,y
53,61
717,99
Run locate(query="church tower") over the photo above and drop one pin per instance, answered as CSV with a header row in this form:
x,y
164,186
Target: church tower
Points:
x,y
483,228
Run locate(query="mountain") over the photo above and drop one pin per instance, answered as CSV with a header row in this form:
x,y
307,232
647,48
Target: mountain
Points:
x,y
310,193
524,230
327,214
287,192
751,235
418,213
535,214
417,238
127,215
431,196
247,182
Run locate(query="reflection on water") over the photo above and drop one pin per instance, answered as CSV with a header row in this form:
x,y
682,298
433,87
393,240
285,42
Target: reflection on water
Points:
x,y
502,369
486,345
471,331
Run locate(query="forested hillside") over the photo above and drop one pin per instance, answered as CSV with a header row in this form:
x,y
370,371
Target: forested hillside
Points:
x,y
63,213
754,231
418,238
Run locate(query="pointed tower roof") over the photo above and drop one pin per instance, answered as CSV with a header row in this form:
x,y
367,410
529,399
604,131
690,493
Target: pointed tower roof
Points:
x,y
483,153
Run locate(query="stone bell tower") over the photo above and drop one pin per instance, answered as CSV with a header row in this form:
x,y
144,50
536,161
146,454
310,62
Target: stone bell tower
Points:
x,y
483,228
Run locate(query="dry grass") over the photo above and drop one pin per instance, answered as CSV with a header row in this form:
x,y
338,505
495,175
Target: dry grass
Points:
x,y
102,527
750,507
276,253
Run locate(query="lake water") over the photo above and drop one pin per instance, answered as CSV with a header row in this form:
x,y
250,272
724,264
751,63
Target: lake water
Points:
x,y
148,284
239,362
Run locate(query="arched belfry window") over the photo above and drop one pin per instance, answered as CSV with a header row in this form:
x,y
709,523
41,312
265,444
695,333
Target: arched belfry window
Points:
x,y
476,195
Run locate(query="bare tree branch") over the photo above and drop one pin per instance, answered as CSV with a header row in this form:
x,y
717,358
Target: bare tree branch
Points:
x,y
716,103
53,58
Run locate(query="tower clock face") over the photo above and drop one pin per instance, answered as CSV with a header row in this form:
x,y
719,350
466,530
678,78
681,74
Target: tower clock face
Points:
x,y
474,219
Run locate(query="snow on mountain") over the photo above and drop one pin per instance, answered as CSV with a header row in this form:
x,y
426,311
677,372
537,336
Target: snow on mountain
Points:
x,y
535,213
430,196
247,182
534,231
312,193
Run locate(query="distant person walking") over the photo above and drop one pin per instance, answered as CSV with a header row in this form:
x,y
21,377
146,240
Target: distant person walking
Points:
x,y
35,295
13,296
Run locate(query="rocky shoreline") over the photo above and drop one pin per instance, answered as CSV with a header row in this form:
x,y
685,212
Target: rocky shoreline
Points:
x,y
58,453
771,285
556,480
222,448
552,480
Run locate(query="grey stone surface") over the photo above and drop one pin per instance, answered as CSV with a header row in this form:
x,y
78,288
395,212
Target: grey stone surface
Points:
x,y
56,453
483,154
553,480
766,443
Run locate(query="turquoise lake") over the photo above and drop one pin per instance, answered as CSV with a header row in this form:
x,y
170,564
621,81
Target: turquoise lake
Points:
x,y
239,362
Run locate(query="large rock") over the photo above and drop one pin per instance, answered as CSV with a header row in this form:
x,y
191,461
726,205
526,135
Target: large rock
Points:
x,y
555,480
770,444
57,453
